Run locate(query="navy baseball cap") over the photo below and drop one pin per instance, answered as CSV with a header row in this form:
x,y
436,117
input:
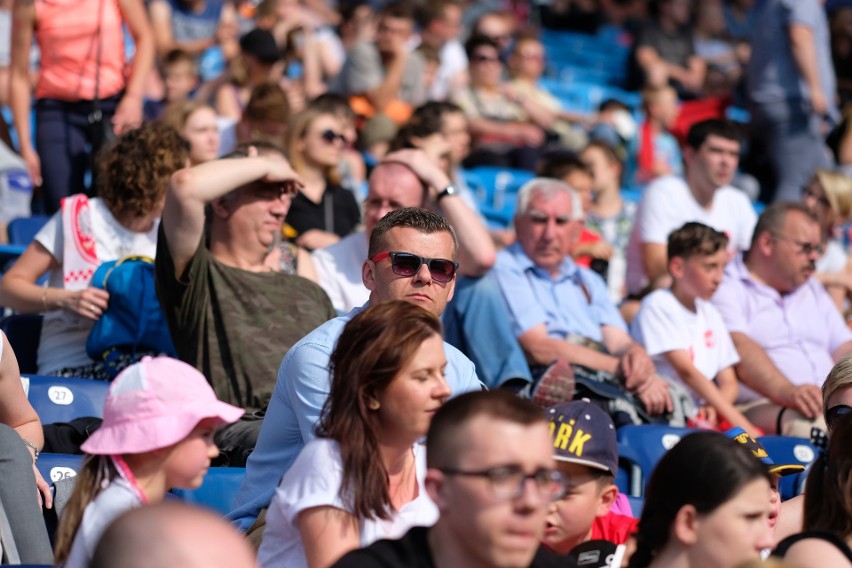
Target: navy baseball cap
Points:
x,y
756,448
583,433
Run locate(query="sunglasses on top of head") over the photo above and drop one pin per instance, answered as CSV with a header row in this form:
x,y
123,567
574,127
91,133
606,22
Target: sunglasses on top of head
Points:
x,y
407,264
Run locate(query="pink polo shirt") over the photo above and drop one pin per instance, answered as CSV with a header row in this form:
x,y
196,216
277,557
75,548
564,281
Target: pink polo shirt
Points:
x,y
67,34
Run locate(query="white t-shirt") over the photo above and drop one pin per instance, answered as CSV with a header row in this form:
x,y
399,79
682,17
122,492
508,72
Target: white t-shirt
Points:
x,y
834,259
314,481
663,324
667,203
117,498
63,335
339,271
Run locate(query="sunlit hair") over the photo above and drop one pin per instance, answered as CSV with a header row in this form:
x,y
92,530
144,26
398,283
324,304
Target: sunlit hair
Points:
x,y
838,379
547,188
838,190
704,470
299,125
177,113
375,346
135,171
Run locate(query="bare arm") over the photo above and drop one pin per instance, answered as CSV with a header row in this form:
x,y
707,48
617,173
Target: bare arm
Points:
x,y
706,389
759,373
842,351
476,249
387,90
161,19
804,52
128,114
655,264
191,189
327,534
19,291
23,25
517,131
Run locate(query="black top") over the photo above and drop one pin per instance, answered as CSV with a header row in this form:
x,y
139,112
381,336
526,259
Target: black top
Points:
x,y
412,551
831,538
304,214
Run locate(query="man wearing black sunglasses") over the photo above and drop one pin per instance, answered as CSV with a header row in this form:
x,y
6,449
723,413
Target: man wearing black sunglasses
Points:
x,y
412,257
784,324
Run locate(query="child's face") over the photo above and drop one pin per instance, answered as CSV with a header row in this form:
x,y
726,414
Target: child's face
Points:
x,y
606,174
570,519
179,80
702,274
583,184
665,108
187,463
774,500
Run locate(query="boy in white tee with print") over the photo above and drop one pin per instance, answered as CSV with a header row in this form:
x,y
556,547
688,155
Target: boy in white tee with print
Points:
x,y
684,333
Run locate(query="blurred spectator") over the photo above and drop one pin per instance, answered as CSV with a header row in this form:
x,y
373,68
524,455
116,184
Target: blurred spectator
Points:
x,y
323,211
431,64
357,23
655,150
377,135
785,327
724,67
85,233
180,79
194,26
666,43
440,27
254,65
739,18
383,76
353,172
266,116
610,215
526,67
841,52
828,195
504,132
704,194
195,121
83,95
615,126
584,16
5,48
16,189
840,141
791,85
498,26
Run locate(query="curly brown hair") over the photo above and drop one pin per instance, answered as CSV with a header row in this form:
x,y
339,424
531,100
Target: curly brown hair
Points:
x,y
135,171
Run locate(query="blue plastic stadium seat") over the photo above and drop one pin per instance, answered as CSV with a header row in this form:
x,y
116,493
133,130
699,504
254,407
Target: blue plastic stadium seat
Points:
x,y
218,490
24,334
54,467
789,450
62,399
495,190
636,505
641,447
23,229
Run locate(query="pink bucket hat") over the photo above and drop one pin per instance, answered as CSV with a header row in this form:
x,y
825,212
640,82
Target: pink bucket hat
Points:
x,y
153,404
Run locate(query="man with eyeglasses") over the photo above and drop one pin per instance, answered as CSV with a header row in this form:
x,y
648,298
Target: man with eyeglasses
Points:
x,y
784,324
230,314
492,475
412,256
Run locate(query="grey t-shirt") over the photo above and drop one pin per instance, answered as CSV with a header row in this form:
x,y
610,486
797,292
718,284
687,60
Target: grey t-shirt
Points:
x,y
772,74
364,71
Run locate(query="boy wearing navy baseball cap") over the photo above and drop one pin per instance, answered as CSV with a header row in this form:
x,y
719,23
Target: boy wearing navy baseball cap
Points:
x,y
586,450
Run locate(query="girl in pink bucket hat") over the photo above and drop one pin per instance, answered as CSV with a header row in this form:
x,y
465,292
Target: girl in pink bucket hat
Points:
x,y
159,420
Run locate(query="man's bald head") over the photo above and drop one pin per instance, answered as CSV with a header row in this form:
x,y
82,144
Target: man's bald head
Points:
x,y
172,534
391,186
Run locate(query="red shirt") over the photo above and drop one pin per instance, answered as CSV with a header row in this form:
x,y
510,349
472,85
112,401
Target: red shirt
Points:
x,y
587,236
614,527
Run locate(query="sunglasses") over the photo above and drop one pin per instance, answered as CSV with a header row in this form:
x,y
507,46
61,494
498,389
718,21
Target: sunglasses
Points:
x,y
407,264
833,414
330,136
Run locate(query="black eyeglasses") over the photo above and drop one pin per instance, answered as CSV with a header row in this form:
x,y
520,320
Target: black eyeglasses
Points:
x,y
804,248
508,481
407,264
833,414
482,58
330,136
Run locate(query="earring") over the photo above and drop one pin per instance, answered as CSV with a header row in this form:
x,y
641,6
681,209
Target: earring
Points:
x,y
373,404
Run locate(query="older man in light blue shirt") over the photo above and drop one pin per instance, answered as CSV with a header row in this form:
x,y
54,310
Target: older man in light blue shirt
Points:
x,y
551,300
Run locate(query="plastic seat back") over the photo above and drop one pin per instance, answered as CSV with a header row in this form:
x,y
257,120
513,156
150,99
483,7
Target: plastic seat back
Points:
x,y
218,490
62,399
641,447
